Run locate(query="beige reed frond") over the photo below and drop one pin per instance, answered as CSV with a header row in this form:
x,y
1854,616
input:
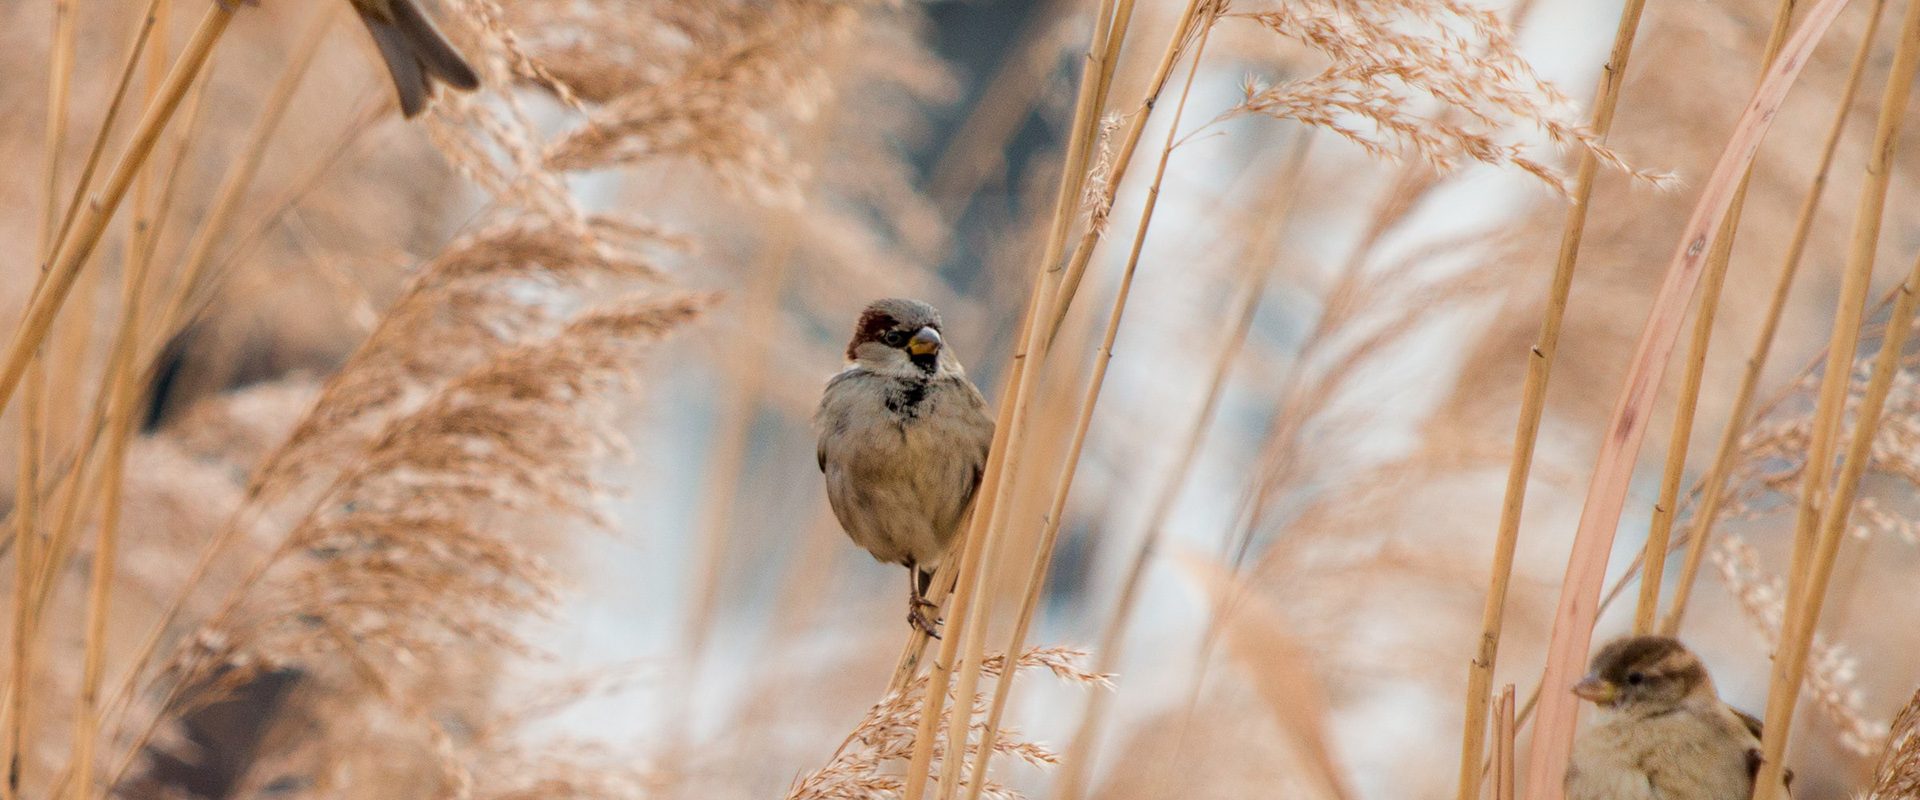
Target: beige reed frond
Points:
x,y
1831,672
1386,61
867,764
727,106
463,308
433,537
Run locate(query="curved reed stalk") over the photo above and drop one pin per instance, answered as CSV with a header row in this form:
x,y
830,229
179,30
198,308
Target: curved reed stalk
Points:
x,y
1606,495
1654,553
1819,504
1632,573
1706,513
1533,404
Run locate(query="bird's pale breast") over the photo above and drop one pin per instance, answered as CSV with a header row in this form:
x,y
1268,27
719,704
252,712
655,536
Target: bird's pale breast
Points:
x,y
1687,754
900,478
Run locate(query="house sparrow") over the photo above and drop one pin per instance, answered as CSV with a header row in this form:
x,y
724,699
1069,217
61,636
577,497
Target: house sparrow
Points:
x,y
1666,734
903,440
416,52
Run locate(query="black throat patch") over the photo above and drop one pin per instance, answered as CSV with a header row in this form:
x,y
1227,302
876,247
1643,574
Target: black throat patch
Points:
x,y
905,396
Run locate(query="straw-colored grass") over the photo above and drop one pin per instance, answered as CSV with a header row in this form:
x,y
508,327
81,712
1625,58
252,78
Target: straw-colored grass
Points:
x,y
324,417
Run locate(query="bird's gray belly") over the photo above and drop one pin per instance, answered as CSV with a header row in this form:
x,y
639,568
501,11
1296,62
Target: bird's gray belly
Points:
x,y
898,487
1673,757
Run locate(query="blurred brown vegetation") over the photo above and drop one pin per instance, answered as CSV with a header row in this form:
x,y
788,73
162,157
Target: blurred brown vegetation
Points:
x,y
480,466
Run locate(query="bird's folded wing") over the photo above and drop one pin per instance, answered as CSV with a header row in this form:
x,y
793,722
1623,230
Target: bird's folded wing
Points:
x,y
1754,756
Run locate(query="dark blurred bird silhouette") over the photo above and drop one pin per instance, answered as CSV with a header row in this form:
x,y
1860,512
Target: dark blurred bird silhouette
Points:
x,y
416,52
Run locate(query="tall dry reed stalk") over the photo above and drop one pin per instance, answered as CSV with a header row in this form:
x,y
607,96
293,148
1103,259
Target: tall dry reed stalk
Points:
x,y
1574,619
1533,400
1822,514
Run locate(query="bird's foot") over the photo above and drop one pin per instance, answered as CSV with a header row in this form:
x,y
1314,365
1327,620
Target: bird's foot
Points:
x,y
917,616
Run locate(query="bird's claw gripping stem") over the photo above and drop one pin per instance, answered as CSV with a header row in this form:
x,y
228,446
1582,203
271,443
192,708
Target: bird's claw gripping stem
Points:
x,y
917,616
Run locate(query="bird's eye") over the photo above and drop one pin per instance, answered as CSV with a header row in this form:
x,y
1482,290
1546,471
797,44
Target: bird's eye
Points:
x,y
1636,678
894,338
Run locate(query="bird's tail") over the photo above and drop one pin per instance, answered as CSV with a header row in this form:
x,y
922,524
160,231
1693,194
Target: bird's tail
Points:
x,y
417,53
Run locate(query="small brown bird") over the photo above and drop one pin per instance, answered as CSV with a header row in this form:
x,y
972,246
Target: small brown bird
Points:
x,y
903,440
1666,734
416,52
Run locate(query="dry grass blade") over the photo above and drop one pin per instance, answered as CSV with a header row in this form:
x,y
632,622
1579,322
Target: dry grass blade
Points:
x,y
14,708
92,223
1042,558
1654,553
120,395
1533,403
1707,511
1009,422
1504,731
1586,568
1280,667
1076,762
1820,507
1803,615
64,224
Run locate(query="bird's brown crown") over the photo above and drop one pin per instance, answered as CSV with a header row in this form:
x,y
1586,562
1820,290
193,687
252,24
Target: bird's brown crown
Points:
x,y
892,315
1649,669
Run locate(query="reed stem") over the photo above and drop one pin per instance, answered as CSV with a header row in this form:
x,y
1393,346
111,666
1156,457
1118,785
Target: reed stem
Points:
x,y
1706,513
1577,608
1043,553
121,386
1654,553
1817,500
1076,761
26,525
1008,433
95,216
1533,401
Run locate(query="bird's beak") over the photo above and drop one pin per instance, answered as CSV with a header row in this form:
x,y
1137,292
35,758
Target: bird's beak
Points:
x,y
925,342
1593,688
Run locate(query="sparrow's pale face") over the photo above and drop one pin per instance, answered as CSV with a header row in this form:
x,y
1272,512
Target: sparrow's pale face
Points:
x,y
1643,674
899,338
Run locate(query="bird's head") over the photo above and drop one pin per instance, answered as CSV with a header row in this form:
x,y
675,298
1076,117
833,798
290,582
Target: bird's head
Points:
x,y
1643,674
900,337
